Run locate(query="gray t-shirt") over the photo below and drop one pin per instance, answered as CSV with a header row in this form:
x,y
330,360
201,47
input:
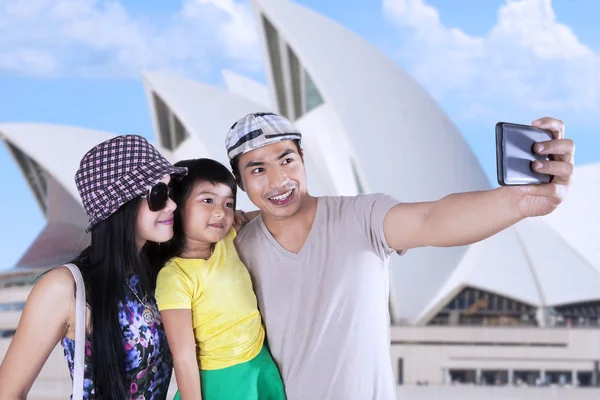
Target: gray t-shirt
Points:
x,y
326,308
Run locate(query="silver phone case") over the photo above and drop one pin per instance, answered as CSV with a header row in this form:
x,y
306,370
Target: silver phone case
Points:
x,y
514,154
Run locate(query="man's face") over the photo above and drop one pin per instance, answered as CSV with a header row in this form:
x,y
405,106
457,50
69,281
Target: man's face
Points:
x,y
274,178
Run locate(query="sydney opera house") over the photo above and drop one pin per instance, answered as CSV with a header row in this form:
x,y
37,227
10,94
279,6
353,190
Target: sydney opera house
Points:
x,y
519,309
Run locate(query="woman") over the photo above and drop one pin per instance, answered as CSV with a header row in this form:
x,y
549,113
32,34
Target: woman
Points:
x,y
124,186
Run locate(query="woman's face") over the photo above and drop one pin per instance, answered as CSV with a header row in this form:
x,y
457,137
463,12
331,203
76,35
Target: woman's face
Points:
x,y
154,226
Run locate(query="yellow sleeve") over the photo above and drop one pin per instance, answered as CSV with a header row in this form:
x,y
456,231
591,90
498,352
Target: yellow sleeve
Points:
x,y
173,289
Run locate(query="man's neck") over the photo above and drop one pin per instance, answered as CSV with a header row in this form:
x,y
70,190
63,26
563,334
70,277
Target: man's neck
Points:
x,y
292,231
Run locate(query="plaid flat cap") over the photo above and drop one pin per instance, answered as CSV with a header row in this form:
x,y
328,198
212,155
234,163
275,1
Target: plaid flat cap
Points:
x,y
116,171
256,130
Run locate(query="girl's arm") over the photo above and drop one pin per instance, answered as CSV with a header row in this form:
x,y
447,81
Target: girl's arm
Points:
x,y
44,321
180,335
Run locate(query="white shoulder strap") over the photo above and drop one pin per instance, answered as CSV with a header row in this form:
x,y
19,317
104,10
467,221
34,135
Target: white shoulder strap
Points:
x,y
80,324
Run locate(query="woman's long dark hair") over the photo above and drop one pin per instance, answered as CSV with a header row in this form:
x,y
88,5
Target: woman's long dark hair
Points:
x,y
199,170
106,266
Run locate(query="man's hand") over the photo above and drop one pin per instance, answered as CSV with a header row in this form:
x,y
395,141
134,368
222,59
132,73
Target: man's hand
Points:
x,y
241,218
464,218
536,200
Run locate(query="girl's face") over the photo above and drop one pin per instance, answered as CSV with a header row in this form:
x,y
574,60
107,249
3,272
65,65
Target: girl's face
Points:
x,y
155,226
208,213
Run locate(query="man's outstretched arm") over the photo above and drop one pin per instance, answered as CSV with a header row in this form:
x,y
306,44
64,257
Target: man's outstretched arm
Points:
x,y
465,218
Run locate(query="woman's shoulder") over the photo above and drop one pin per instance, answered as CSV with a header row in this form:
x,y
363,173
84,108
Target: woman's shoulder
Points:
x,y
53,294
57,281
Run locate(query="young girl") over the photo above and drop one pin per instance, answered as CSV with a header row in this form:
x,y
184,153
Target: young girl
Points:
x,y
123,184
206,300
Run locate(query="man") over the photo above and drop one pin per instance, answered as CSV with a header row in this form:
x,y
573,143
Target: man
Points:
x,y
320,265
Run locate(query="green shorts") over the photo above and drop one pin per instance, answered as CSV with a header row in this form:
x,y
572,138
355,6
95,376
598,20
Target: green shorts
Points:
x,y
257,379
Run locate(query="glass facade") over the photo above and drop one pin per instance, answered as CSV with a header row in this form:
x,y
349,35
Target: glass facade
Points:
x,y
359,185
171,134
35,175
162,118
180,132
301,94
313,97
586,314
295,73
476,307
276,68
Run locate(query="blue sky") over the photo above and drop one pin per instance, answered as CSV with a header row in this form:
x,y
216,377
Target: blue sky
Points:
x,y
77,62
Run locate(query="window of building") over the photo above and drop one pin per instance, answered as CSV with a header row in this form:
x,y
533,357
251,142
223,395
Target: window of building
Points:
x,y
585,314
296,77
7,333
459,376
526,377
480,308
494,377
559,377
180,132
162,119
401,371
276,68
35,174
170,129
12,307
584,378
359,185
313,96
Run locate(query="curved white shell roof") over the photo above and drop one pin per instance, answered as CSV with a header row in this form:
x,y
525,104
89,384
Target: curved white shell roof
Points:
x,y
403,144
406,146
207,112
57,148
546,261
578,218
248,88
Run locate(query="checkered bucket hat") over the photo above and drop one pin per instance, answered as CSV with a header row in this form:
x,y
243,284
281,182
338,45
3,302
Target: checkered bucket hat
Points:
x,y
116,171
256,130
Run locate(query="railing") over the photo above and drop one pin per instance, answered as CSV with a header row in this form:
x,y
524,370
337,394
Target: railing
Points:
x,y
12,300
552,323
470,392
54,380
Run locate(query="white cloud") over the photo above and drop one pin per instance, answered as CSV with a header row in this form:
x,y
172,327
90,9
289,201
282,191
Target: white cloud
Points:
x,y
34,61
532,25
238,33
528,59
104,38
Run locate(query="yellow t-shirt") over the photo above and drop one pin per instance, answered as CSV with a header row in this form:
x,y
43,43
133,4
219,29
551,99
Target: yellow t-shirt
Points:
x,y
227,323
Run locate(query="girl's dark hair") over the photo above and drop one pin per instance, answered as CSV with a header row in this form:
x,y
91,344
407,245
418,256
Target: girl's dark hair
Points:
x,y
199,170
106,266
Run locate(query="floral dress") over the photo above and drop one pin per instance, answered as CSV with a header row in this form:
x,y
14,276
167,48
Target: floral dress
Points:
x,y
148,361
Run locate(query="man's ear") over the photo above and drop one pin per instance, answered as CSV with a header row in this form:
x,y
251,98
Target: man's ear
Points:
x,y
240,183
302,154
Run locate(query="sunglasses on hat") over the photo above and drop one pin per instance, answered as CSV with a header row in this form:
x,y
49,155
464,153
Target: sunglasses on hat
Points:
x,y
157,196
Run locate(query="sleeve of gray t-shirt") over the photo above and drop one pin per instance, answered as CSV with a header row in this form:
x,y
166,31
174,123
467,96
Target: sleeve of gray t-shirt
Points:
x,y
371,210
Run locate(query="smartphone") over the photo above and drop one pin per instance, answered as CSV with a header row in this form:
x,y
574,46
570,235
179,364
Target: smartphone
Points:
x,y
514,154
